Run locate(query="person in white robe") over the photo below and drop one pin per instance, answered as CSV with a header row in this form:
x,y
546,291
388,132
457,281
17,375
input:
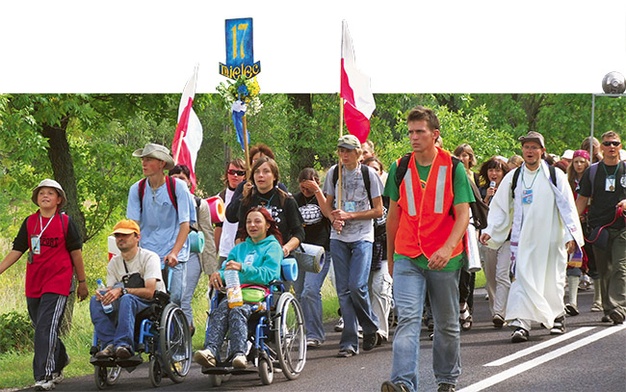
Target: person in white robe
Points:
x,y
545,228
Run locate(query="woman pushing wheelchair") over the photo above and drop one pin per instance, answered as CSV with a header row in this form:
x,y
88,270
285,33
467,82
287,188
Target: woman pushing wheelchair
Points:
x,y
257,260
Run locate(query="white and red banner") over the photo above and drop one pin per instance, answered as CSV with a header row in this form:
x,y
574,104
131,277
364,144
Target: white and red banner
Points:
x,y
355,90
188,135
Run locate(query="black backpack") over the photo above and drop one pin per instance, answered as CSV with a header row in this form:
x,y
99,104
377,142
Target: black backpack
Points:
x,y
479,208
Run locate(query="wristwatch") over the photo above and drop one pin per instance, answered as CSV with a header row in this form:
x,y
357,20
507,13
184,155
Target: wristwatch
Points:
x,y
124,291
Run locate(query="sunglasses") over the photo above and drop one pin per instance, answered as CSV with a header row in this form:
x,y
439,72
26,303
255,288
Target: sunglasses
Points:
x,y
237,172
613,143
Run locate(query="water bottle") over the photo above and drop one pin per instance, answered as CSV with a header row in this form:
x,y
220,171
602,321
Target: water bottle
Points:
x,y
233,288
102,290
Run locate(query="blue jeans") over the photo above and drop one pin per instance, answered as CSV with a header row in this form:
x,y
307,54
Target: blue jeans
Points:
x,y
311,301
352,261
232,321
410,284
194,271
118,327
177,280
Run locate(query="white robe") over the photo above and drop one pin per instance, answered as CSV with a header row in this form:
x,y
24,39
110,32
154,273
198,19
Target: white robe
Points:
x,y
537,292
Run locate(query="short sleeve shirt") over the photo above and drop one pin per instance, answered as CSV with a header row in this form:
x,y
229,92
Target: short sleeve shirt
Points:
x,y
354,199
145,262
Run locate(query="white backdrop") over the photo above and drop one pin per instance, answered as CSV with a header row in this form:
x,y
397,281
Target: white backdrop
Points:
x,y
142,46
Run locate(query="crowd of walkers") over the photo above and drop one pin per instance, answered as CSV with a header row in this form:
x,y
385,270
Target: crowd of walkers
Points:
x,y
397,244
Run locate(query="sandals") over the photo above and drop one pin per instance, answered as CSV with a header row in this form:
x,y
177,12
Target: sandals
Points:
x,y
465,318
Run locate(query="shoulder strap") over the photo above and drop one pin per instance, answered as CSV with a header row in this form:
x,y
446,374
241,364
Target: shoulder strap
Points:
x,y
366,180
222,195
552,171
403,165
198,201
455,163
593,169
514,182
171,190
141,188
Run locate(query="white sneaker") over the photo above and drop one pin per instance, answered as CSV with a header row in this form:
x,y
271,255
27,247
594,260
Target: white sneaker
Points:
x,y
204,357
44,385
58,377
339,325
240,362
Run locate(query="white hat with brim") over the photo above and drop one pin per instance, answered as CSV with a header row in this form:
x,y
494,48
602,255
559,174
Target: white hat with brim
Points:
x,y
48,183
156,151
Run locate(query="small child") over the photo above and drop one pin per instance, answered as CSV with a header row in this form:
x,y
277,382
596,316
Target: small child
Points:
x,y
54,251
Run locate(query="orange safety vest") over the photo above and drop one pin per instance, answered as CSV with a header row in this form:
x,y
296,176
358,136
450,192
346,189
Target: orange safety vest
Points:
x,y
425,220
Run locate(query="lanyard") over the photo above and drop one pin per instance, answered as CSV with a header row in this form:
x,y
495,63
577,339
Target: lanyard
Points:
x,y
47,224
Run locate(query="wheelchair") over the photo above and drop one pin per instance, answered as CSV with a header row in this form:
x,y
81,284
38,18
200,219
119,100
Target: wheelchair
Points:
x,y
161,332
276,335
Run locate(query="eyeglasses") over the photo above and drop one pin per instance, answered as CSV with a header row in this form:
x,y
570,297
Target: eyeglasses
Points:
x,y
614,143
237,172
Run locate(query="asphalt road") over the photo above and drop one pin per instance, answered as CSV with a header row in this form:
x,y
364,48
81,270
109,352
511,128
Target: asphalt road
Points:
x,y
591,356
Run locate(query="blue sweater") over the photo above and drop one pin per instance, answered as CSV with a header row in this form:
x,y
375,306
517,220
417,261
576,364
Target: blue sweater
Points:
x,y
260,261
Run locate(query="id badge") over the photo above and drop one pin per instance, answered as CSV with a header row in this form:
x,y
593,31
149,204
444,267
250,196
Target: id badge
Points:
x,y
609,185
527,196
35,244
349,206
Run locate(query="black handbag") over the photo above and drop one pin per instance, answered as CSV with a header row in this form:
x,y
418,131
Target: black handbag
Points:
x,y
132,281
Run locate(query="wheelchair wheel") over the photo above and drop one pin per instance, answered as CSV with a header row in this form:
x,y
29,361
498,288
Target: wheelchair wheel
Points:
x,y
290,337
106,376
155,371
266,370
175,343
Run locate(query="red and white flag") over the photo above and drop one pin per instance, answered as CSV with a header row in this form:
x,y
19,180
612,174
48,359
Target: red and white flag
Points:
x,y
188,135
355,90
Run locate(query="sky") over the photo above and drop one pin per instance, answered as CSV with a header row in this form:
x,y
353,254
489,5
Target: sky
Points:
x,y
434,46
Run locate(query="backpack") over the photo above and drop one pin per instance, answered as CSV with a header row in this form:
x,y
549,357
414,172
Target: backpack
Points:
x,y
170,182
551,169
479,208
592,173
366,180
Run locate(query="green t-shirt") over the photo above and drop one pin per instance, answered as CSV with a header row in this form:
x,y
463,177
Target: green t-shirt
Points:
x,y
462,194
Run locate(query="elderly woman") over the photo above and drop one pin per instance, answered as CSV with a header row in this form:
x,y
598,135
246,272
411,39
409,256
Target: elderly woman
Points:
x,y
257,259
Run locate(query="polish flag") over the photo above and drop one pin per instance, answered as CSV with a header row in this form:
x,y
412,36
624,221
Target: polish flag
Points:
x,y
356,92
188,135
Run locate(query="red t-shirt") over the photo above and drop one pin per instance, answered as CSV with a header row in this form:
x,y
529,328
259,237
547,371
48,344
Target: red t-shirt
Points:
x,y
51,270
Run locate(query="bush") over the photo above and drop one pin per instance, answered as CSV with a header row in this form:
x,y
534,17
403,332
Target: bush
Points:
x,y
16,332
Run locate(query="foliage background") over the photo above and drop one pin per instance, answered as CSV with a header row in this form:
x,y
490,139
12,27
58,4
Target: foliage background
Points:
x,y
85,142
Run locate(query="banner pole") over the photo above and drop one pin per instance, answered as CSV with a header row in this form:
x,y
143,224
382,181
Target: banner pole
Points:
x,y
245,145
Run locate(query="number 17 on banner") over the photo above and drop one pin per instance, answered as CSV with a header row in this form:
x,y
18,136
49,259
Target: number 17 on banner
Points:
x,y
239,50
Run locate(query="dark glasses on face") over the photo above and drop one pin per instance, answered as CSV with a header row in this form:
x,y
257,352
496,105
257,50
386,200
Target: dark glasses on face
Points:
x,y
237,172
613,143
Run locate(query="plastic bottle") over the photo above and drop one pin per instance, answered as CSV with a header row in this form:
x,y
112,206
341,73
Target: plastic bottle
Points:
x,y
102,289
233,288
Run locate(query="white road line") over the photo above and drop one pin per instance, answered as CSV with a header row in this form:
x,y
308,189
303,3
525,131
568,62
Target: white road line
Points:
x,y
522,367
539,346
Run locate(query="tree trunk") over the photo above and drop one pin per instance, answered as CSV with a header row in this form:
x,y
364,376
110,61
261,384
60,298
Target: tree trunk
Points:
x,y
300,157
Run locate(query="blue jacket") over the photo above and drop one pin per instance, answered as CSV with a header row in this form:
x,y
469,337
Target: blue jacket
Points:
x,y
260,261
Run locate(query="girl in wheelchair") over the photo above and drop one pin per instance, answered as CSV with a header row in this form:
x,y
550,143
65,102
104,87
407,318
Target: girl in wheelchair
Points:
x,y
257,259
